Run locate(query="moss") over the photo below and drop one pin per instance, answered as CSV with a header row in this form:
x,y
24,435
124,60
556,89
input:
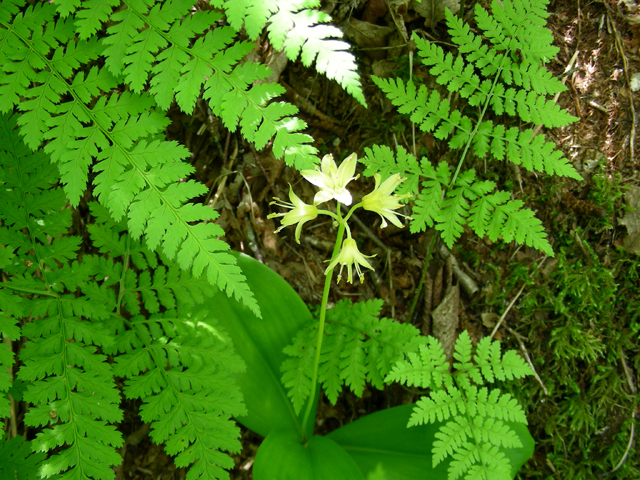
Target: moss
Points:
x,y
581,322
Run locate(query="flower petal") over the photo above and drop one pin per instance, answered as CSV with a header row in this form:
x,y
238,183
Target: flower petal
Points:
x,y
347,170
343,196
322,196
315,177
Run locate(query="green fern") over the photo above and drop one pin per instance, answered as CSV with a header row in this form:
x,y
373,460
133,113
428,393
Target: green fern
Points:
x,y
358,347
161,51
489,75
186,385
474,417
130,305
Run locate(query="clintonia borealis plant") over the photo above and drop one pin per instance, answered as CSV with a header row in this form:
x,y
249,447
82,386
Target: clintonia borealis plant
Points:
x,y
467,423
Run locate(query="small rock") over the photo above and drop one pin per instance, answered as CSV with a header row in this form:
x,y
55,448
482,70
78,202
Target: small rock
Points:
x,y
635,82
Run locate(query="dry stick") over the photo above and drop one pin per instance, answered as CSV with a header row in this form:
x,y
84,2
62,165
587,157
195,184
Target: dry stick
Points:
x,y
423,275
628,373
625,65
223,176
306,106
495,329
634,391
626,452
528,358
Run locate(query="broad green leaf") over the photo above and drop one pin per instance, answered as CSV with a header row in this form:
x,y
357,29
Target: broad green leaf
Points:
x,y
383,441
260,343
283,456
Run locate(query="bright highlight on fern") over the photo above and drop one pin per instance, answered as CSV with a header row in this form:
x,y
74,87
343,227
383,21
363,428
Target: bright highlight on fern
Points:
x,y
475,420
301,30
486,74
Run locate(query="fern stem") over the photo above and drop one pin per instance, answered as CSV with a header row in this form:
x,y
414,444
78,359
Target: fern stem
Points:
x,y
323,314
33,291
479,122
125,267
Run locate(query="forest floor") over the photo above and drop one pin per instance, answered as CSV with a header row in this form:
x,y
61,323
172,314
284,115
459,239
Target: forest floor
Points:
x,y
576,316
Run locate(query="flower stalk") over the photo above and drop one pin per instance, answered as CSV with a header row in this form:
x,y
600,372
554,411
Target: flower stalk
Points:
x,y
332,182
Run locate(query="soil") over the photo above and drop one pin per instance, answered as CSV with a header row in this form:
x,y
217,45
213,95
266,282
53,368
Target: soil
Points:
x,y
599,43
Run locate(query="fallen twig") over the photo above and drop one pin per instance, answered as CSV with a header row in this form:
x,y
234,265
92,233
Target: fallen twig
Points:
x,y
528,358
625,66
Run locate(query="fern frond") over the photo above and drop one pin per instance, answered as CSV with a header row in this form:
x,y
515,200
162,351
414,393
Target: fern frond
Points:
x,y
428,369
474,417
429,201
298,28
188,364
183,368
441,406
494,404
169,287
423,108
139,175
71,389
463,460
358,347
451,217
381,159
296,376
529,105
521,225
533,153
451,436
183,55
489,77
139,179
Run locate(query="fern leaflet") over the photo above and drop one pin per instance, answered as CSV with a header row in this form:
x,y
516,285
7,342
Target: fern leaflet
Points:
x,y
358,347
473,417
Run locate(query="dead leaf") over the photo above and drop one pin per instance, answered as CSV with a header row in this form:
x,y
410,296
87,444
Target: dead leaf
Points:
x,y
445,319
433,10
367,35
489,319
632,220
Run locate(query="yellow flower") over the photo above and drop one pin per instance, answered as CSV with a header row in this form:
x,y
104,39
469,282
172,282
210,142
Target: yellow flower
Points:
x,y
350,256
332,180
383,202
300,213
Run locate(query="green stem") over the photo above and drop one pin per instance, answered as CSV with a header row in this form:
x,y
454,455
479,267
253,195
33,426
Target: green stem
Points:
x,y
323,312
330,213
33,291
353,209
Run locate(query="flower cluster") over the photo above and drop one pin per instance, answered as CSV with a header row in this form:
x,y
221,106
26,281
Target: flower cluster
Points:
x,y
332,182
